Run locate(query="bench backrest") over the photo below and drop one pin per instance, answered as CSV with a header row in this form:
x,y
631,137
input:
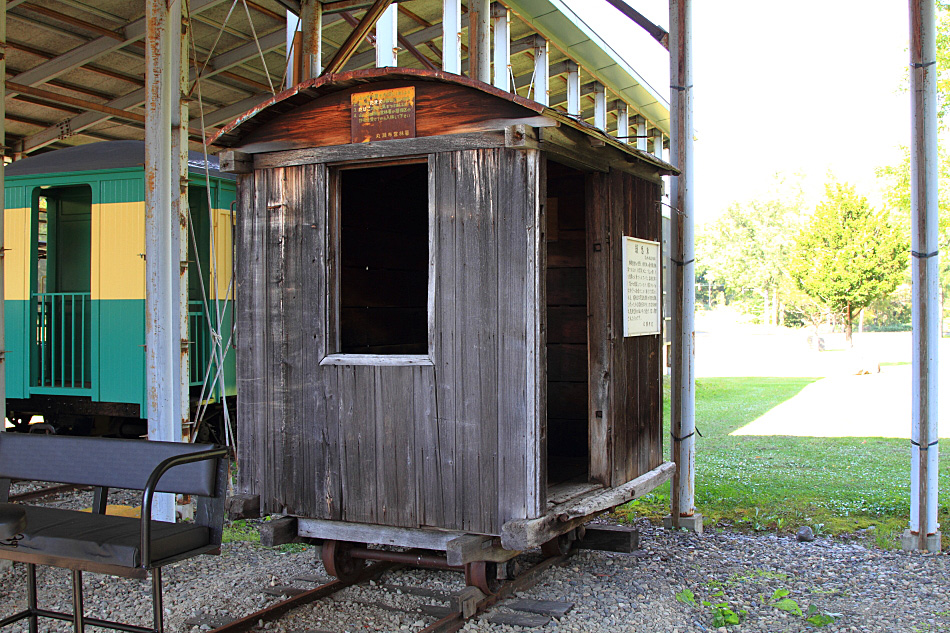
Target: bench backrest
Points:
x,y
107,462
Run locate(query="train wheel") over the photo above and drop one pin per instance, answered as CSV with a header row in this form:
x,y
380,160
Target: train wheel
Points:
x,y
563,545
337,560
484,575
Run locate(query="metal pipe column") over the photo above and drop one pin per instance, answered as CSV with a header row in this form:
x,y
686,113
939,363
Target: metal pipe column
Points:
x,y
165,226
311,27
923,533
683,422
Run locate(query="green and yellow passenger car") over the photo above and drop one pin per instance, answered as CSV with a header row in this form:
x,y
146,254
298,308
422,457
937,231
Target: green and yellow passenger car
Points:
x,y
74,271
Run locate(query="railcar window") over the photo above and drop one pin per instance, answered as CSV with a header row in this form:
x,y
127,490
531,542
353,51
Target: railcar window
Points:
x,y
383,233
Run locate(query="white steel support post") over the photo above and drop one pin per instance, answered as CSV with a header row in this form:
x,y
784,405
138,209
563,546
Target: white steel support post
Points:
x,y
311,39
293,26
924,534
658,143
573,88
623,121
479,40
166,342
641,134
386,34
600,107
501,54
542,78
682,413
452,36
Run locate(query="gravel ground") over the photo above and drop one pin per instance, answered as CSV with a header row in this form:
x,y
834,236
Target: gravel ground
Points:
x,y
864,588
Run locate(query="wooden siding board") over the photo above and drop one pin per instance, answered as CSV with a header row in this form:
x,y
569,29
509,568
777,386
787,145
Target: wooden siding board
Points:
x,y
249,339
440,505
600,413
395,445
426,484
513,414
535,194
486,185
317,468
471,335
275,396
619,402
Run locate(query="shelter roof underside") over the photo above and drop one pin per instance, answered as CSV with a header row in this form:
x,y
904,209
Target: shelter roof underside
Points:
x,y
76,68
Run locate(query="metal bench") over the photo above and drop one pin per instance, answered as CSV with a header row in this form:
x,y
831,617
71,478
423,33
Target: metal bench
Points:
x,y
100,543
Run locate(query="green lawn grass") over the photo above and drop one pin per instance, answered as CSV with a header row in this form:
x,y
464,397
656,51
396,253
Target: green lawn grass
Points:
x,y
781,483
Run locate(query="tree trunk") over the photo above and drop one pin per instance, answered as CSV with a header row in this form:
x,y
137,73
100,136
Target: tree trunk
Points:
x,y
847,325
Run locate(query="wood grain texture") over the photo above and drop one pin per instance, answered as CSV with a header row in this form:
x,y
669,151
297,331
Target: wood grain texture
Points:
x,y
249,342
599,296
441,109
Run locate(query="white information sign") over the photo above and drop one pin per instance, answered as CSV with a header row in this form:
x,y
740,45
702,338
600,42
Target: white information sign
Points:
x,y
641,287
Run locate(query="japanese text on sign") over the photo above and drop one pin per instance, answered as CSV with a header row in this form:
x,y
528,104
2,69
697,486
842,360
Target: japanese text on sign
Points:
x,y
383,115
641,287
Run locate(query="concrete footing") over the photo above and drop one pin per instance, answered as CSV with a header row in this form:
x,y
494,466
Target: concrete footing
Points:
x,y
910,542
693,523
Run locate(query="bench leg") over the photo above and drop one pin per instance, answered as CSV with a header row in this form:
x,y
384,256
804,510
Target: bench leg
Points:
x,y
158,614
78,624
31,596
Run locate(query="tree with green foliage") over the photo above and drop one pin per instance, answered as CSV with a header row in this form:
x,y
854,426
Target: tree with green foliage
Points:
x,y
748,247
897,177
848,254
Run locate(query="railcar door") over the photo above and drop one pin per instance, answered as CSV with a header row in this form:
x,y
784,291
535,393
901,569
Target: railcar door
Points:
x,y
62,350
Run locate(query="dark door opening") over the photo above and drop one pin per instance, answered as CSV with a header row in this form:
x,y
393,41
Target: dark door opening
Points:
x,y
567,348
62,243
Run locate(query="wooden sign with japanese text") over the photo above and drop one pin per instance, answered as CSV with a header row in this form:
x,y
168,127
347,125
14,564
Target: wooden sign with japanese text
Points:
x,y
383,115
641,287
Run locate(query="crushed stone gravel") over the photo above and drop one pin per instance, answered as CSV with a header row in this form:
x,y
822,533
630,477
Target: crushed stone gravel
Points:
x,y
861,587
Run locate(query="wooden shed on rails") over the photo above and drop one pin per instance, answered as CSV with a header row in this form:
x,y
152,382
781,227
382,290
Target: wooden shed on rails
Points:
x,y
448,322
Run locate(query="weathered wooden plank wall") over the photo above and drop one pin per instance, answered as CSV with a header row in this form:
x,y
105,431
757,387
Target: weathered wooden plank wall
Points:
x,y
451,444
635,393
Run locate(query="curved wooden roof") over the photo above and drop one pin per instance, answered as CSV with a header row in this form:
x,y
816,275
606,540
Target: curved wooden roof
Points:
x,y
257,129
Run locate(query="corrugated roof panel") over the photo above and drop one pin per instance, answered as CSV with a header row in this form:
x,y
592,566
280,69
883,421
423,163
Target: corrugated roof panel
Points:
x,y
567,31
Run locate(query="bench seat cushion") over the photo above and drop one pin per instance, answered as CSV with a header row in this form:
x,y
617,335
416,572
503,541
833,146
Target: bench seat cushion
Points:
x,y
112,540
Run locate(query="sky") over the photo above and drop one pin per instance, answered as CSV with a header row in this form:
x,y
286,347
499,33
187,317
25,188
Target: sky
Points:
x,y
810,87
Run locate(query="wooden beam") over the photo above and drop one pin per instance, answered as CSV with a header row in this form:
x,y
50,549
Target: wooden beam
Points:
x,y
349,47
525,534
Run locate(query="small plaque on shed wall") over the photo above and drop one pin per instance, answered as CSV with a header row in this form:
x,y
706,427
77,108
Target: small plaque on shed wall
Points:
x,y
641,287
383,115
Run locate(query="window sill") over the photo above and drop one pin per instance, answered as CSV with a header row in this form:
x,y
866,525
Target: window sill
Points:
x,y
379,360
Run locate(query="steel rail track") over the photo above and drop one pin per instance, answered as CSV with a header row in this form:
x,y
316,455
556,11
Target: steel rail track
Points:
x,y
448,624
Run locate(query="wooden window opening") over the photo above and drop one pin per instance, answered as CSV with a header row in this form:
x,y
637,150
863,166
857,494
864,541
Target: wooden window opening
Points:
x,y
381,244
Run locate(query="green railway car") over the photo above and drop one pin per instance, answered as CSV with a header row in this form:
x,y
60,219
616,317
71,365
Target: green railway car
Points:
x,y
74,274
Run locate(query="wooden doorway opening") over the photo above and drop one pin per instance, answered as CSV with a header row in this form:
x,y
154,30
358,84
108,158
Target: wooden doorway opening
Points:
x,y
568,453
